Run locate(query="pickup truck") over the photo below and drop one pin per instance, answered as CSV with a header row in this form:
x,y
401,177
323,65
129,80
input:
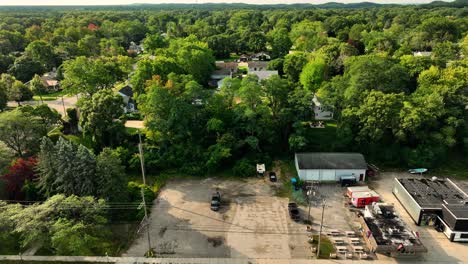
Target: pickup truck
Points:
x,y
216,201
294,212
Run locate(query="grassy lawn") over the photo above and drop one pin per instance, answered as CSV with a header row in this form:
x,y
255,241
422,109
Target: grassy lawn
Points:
x,y
50,96
232,57
326,246
320,138
286,188
456,167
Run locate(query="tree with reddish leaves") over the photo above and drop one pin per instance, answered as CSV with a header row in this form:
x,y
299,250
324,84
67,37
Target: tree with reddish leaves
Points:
x,y
19,173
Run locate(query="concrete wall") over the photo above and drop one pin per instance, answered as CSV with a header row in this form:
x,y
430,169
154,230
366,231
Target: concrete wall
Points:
x,y
356,173
452,235
408,202
327,175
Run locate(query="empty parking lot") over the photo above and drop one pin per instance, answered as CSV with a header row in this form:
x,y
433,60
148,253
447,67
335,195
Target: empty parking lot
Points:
x,y
252,222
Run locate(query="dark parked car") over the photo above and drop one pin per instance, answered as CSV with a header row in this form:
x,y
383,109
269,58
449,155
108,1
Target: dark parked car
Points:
x,y
272,176
216,201
294,212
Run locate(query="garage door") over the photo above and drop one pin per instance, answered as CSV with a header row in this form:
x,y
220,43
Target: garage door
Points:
x,y
312,175
328,175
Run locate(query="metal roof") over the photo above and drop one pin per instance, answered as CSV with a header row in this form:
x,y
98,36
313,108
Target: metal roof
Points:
x,y
460,211
331,160
432,193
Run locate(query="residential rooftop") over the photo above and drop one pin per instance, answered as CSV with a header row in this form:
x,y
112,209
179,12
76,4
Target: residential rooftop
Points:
x,y
432,193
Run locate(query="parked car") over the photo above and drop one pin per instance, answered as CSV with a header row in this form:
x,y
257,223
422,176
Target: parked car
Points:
x,y
272,176
294,212
216,201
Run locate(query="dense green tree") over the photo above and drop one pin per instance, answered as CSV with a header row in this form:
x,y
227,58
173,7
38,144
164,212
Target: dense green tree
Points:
x,y
25,67
80,231
152,42
373,73
293,65
5,62
37,86
193,56
19,92
376,116
444,52
3,96
111,176
89,75
313,74
159,66
99,117
47,117
20,132
279,41
308,35
42,52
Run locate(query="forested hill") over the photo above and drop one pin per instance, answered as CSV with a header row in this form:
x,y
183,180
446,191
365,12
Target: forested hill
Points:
x,y
217,6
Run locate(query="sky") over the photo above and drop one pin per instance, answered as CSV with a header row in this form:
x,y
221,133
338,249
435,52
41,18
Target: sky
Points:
x,y
124,2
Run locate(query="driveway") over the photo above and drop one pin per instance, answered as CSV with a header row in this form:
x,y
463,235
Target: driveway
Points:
x,y
252,222
68,102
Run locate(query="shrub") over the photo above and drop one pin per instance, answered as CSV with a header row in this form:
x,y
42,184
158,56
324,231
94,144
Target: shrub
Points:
x,y
243,168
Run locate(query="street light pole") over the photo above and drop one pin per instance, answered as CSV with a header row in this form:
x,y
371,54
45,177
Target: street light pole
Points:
x,y
142,161
320,232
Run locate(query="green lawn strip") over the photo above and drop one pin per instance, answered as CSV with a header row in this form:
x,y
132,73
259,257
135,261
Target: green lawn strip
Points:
x,y
326,246
50,96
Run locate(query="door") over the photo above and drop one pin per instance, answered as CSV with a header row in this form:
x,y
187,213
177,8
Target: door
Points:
x,y
361,177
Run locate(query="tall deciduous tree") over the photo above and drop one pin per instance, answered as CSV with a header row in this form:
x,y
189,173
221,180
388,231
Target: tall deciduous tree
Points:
x,y
100,117
38,87
88,75
70,225
279,41
20,131
313,74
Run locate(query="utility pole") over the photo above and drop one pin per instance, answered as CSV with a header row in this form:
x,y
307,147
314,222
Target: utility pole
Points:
x,y
142,161
320,232
309,196
64,110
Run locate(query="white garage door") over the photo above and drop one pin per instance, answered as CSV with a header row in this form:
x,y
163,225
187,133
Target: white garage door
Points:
x,y
328,175
311,175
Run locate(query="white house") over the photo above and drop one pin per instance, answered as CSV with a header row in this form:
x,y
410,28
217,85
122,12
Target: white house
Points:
x,y
257,66
261,56
330,166
321,112
422,53
127,95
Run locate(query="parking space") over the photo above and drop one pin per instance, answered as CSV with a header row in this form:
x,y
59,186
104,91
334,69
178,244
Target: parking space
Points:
x,y
252,222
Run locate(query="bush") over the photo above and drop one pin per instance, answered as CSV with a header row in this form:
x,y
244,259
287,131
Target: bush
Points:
x,y
243,168
134,194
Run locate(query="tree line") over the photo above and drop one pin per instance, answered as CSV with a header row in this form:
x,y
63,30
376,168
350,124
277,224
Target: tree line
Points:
x,y
396,107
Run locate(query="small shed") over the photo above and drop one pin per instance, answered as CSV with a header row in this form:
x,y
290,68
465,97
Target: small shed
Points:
x,y
330,166
361,199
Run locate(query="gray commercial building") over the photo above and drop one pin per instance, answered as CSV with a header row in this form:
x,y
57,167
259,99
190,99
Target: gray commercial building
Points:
x,y
436,202
330,166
